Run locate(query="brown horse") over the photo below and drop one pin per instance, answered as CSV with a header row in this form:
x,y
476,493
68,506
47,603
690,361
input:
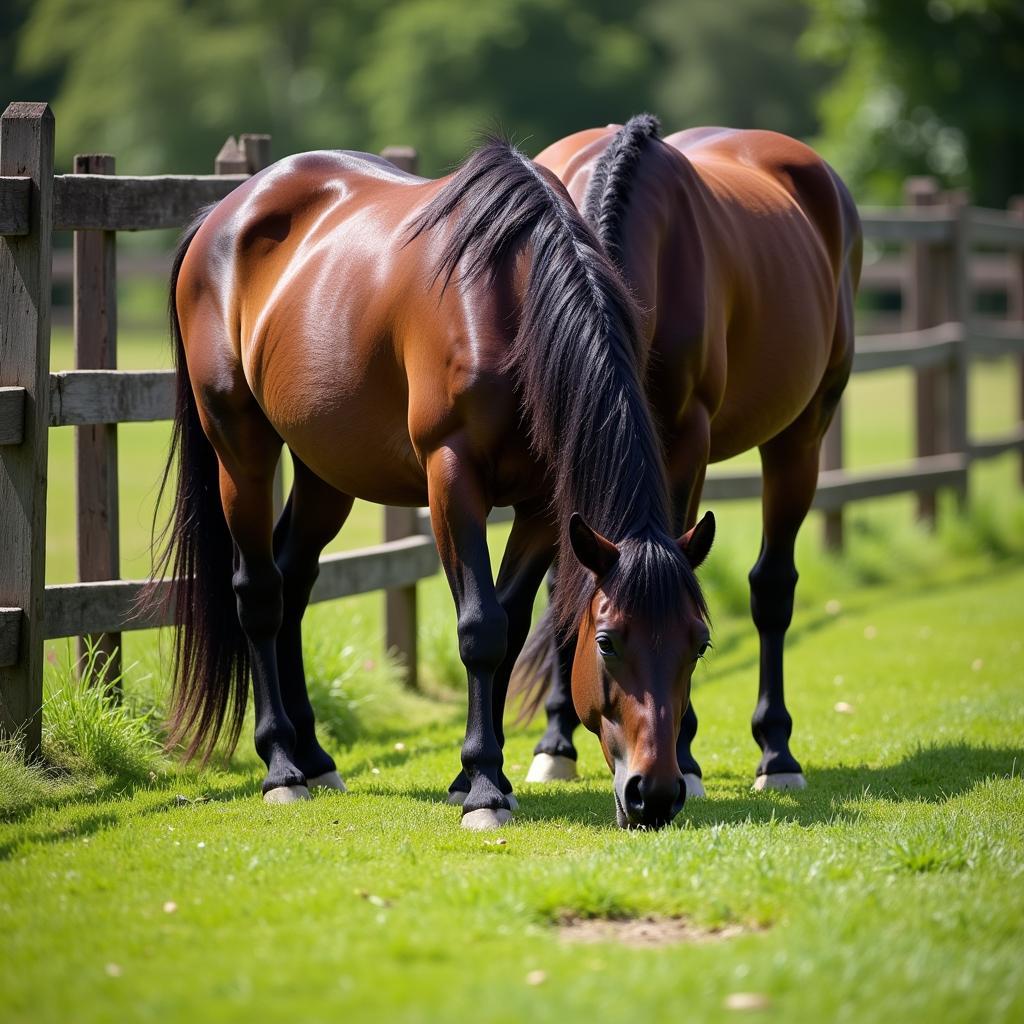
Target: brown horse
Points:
x,y
460,343
744,249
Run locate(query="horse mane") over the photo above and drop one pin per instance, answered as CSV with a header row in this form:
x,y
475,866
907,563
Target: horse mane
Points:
x,y
607,196
576,357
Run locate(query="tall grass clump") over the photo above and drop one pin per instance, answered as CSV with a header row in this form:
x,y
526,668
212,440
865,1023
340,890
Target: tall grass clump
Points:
x,y
86,729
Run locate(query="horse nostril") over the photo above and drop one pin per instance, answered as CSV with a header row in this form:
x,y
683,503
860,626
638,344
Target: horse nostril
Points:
x,y
633,795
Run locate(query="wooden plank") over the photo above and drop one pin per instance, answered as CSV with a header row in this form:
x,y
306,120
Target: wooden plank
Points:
x,y
996,339
10,628
400,620
12,415
907,224
732,485
96,493
26,150
108,606
396,564
991,447
15,193
124,203
931,346
255,151
78,397
997,228
836,487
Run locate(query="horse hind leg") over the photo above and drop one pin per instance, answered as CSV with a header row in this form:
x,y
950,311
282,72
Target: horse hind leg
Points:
x,y
312,517
248,449
790,471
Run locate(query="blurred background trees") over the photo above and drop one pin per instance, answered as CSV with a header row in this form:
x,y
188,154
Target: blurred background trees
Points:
x,y
885,89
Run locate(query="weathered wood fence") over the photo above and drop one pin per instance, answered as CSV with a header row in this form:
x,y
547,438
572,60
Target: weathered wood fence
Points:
x,y
941,334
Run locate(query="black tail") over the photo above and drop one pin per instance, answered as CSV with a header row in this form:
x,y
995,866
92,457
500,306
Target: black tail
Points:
x,y
211,654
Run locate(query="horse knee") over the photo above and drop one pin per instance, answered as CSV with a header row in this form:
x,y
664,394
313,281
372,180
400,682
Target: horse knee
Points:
x,y
483,637
260,602
772,587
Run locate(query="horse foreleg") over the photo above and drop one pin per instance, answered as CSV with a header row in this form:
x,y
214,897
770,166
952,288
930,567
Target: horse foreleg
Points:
x,y
314,514
527,556
790,469
458,514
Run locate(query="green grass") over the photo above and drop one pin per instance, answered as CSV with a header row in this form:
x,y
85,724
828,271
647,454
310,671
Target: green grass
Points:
x,y
892,889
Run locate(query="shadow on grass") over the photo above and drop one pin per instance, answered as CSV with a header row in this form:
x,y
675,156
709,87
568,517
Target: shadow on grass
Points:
x,y
931,774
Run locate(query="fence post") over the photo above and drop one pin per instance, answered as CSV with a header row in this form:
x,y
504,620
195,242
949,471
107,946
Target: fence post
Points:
x,y
938,292
26,149
404,157
1015,309
400,604
832,458
95,329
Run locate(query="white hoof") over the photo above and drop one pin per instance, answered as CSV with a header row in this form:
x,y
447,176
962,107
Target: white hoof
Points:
x,y
780,780
485,818
552,768
286,795
459,797
329,780
694,786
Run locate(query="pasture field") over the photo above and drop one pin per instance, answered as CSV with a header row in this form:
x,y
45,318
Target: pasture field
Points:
x,y
891,889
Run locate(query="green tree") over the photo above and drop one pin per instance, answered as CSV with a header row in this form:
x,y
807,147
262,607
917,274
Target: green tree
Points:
x,y
923,86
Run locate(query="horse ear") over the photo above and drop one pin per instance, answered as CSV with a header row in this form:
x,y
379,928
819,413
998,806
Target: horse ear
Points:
x,y
696,543
596,553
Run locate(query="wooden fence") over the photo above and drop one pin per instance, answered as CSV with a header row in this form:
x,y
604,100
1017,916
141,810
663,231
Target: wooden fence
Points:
x,y
941,335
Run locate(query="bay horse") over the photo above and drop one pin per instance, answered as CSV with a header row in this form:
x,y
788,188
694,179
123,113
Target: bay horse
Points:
x,y
743,250
460,343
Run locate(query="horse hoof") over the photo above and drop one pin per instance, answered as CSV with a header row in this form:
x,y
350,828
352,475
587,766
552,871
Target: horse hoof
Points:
x,y
286,795
485,819
329,780
457,796
694,786
552,768
780,781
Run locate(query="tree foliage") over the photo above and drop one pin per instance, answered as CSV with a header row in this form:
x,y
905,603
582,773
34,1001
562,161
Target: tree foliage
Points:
x,y
923,86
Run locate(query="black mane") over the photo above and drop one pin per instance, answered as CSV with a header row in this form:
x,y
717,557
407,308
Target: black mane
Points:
x,y
576,357
607,196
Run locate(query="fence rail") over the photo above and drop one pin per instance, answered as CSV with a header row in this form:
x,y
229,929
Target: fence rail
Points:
x,y
935,277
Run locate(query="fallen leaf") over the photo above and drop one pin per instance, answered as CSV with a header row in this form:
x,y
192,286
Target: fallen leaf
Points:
x,y
536,977
843,708
747,1001
170,907
113,970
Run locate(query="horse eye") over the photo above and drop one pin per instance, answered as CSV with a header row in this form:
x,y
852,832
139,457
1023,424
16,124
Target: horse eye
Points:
x,y
605,645
704,648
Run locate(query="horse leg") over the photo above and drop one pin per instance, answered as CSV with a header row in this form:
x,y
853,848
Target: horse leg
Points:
x,y
554,757
527,556
790,470
248,449
314,514
688,467
458,514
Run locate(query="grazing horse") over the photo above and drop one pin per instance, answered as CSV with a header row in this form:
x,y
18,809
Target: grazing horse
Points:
x,y
743,250
461,343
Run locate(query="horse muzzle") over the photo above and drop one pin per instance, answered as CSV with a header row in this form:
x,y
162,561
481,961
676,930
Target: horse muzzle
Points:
x,y
647,801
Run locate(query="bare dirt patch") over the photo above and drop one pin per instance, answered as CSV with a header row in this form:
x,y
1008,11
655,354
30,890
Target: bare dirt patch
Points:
x,y
642,932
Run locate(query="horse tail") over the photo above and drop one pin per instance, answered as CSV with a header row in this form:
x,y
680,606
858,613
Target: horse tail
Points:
x,y
534,668
211,654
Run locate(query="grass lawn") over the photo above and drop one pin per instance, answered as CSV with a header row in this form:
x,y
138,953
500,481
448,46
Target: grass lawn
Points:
x,y
892,889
